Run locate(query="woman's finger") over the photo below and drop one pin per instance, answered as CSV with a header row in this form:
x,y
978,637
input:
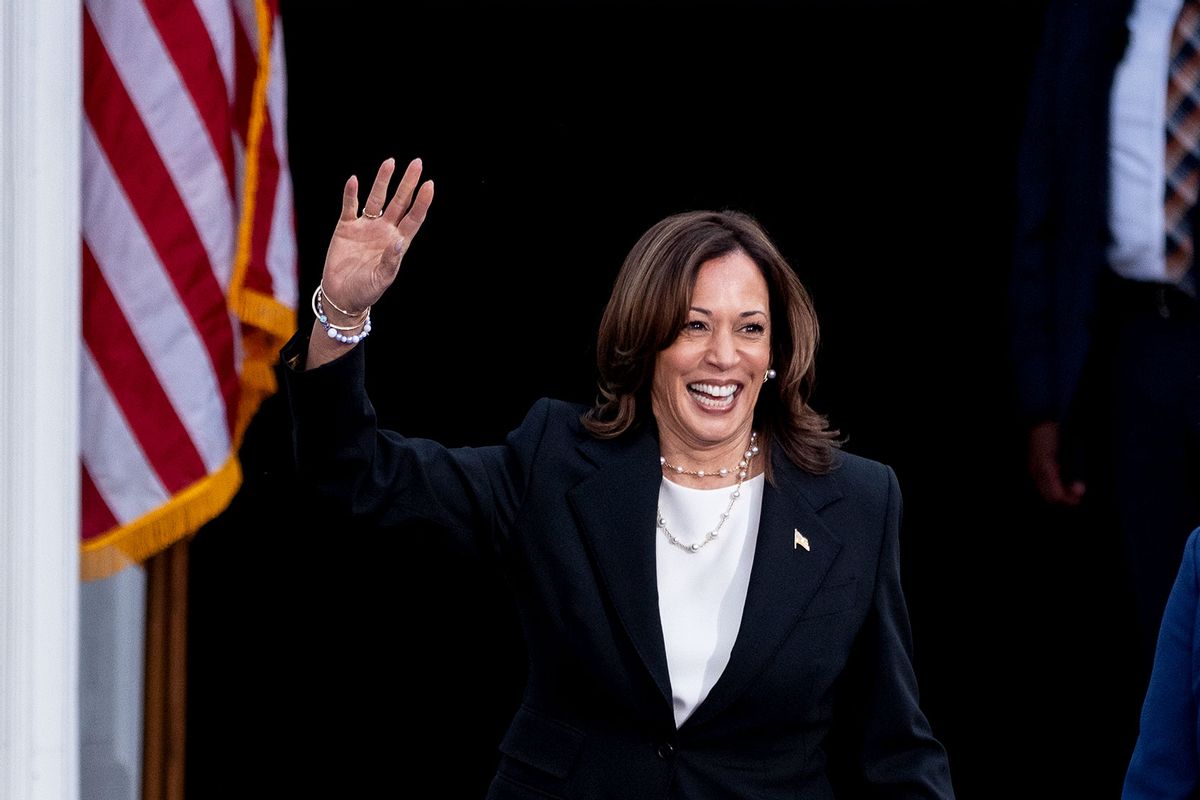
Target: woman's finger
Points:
x,y
403,196
350,200
378,196
416,212
389,260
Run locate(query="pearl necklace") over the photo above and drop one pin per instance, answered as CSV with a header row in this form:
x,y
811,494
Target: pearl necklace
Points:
x,y
742,468
723,472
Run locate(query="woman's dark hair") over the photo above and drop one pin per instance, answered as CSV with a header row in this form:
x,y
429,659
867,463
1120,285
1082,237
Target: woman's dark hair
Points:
x,y
648,308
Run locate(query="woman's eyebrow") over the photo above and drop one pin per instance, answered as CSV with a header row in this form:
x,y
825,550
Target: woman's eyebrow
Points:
x,y
700,310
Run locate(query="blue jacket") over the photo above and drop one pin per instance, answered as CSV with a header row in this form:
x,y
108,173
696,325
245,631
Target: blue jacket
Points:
x,y
1165,763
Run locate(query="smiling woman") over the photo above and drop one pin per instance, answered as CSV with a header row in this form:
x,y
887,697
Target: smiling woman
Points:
x,y
709,588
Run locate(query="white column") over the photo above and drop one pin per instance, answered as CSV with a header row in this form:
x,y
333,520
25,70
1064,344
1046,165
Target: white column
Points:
x,y
40,112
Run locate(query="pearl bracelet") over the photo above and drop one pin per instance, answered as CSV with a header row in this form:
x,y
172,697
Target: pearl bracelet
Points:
x,y
335,331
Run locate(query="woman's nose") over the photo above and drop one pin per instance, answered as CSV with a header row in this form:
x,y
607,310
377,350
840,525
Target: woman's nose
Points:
x,y
722,351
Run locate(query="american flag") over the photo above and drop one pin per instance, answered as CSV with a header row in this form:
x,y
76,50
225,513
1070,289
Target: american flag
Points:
x,y
189,261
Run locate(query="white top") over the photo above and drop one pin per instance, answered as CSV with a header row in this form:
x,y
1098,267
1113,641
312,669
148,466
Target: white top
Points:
x,y
701,594
1137,143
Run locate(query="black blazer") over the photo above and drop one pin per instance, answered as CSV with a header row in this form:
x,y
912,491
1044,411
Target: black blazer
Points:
x,y
819,690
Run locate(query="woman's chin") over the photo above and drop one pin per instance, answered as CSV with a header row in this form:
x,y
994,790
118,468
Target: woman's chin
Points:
x,y
720,431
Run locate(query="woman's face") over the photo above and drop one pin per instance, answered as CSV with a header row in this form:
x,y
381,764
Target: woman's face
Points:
x,y
707,381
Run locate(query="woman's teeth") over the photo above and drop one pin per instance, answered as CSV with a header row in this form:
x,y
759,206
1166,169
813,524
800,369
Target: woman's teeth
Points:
x,y
713,396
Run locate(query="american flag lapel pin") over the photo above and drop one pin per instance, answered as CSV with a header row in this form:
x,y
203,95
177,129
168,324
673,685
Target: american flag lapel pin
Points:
x,y
801,541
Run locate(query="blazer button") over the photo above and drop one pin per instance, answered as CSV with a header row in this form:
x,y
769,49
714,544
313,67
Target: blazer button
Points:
x,y
666,750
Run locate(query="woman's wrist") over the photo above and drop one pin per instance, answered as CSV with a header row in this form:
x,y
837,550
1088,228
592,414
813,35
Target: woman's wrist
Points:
x,y
322,349
358,324
343,310
342,320
334,330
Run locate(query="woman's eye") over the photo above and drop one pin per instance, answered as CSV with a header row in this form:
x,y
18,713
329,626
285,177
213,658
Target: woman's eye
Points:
x,y
754,327
694,325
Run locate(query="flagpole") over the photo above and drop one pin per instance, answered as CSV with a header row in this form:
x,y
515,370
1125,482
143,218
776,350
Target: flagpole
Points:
x,y
40,118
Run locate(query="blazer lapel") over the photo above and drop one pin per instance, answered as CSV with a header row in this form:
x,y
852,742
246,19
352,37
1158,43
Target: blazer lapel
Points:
x,y
783,577
616,509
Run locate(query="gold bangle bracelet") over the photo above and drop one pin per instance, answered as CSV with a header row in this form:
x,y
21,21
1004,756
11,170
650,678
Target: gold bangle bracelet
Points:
x,y
319,312
336,307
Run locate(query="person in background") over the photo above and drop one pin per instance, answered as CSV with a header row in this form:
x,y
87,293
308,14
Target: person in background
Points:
x,y
1106,323
709,588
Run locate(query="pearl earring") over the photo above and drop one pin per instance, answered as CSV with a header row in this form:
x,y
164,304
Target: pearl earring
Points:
x,y
770,374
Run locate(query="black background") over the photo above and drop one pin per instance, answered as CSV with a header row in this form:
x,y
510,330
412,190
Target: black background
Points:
x,y
876,142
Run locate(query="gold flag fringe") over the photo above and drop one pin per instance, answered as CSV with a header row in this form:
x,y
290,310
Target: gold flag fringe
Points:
x,y
264,312
155,531
266,325
238,299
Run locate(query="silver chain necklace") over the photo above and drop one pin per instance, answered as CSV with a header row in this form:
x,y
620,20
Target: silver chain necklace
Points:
x,y
743,469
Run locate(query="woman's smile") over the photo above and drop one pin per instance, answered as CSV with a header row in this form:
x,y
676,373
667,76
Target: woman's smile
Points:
x,y
715,396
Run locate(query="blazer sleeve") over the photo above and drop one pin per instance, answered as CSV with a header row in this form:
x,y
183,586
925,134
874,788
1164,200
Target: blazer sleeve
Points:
x,y
385,479
888,748
1164,763
1031,313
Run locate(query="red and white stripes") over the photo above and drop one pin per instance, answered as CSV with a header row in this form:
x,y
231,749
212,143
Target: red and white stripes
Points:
x,y
188,244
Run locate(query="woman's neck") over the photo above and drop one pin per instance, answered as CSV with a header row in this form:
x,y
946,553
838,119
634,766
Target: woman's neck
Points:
x,y
720,464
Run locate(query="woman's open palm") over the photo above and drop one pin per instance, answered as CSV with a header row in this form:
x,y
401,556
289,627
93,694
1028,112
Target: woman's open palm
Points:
x,y
365,251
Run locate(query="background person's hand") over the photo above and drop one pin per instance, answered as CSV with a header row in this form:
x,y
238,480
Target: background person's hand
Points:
x,y
365,251
1046,470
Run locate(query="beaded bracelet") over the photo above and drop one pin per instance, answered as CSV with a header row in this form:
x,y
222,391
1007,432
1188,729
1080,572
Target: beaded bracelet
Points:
x,y
335,331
